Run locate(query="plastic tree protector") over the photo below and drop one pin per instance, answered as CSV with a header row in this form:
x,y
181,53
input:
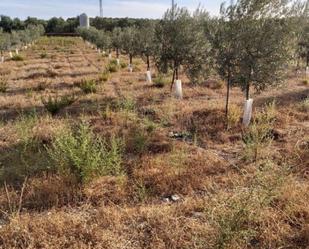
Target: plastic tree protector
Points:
x,y
109,56
10,54
130,68
307,71
16,51
2,59
247,112
178,89
118,62
148,77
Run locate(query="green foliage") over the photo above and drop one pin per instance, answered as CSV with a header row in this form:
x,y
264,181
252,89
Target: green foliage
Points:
x,y
123,64
17,57
160,81
3,84
180,41
88,86
112,67
258,137
43,55
304,105
84,155
54,104
105,76
126,104
241,211
26,157
98,37
234,116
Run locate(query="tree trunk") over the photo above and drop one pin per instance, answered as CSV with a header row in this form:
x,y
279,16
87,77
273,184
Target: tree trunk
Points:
x,y
131,59
173,79
307,63
117,53
148,63
176,72
248,91
228,93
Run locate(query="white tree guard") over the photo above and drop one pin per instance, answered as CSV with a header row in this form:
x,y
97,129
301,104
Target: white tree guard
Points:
x,y
16,51
307,71
130,68
118,62
247,112
178,89
109,56
2,59
148,77
10,54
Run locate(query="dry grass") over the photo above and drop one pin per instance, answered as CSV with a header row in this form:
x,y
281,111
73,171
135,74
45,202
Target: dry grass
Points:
x,y
170,148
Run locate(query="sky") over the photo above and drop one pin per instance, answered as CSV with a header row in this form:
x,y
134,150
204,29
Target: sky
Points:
x,y
46,9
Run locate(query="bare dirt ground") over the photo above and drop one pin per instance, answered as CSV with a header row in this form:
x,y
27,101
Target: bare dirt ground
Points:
x,y
188,181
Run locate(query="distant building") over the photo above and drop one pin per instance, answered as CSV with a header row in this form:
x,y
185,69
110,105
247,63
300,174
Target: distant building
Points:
x,y
84,21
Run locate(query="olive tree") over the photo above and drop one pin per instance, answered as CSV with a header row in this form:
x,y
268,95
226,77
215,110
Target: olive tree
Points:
x,y
174,39
129,43
146,42
223,35
263,42
117,40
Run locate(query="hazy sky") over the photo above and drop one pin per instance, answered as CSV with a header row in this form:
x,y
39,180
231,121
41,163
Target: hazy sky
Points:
x,y
112,8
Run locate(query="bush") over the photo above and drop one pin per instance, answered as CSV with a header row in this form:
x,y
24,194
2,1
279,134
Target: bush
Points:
x,y
126,104
17,57
304,105
105,76
3,85
54,104
305,82
88,86
123,65
234,115
160,81
82,154
43,55
258,137
112,68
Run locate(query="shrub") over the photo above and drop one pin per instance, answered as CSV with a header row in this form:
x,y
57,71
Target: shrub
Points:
x,y
234,115
304,105
82,154
43,55
160,81
123,65
88,86
305,82
112,68
126,104
258,137
105,76
3,85
54,104
17,57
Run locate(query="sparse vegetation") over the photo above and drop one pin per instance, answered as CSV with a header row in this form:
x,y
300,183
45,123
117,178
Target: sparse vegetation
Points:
x,y
88,86
55,104
17,57
84,155
160,81
3,84
132,167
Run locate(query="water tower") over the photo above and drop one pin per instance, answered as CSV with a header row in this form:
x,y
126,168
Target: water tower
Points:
x,y
84,21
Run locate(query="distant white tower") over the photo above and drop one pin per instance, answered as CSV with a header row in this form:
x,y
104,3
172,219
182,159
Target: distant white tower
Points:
x,y
101,9
84,21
